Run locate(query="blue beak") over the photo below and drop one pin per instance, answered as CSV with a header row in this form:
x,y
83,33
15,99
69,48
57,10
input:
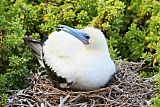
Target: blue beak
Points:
x,y
79,34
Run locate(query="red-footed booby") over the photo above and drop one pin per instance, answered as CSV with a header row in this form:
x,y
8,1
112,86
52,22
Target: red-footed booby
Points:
x,y
80,56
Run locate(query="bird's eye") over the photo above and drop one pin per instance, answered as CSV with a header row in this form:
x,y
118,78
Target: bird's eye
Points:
x,y
87,37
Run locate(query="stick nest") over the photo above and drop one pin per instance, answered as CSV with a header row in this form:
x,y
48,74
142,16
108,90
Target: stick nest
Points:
x,y
126,88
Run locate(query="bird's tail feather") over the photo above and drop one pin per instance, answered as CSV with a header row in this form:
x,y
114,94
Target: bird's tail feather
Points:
x,y
36,48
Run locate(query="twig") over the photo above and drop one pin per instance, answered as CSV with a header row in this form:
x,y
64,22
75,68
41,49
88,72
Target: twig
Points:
x,y
62,100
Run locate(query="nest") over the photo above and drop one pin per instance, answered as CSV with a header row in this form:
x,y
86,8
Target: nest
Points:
x,y
126,88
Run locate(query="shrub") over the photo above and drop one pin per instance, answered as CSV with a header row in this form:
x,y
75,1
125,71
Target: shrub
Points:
x,y
132,28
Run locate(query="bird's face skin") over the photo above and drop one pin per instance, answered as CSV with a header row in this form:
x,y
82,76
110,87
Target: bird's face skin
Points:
x,y
97,39
93,38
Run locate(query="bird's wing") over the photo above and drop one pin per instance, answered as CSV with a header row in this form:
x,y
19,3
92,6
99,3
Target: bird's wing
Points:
x,y
60,52
35,47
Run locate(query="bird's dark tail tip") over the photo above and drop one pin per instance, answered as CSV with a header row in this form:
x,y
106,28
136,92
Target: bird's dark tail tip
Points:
x,y
29,39
35,46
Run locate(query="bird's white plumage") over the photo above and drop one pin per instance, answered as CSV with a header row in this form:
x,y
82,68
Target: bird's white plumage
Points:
x,y
60,52
87,66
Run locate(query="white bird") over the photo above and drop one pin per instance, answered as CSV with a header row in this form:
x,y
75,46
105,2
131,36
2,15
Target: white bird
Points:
x,y
80,56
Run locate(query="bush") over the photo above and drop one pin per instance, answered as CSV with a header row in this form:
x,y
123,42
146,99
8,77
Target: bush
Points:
x,y
131,26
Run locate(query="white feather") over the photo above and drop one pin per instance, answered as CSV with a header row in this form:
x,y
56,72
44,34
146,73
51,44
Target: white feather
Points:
x,y
89,67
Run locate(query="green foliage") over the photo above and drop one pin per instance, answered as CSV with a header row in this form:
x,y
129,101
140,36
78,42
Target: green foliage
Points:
x,y
134,41
132,28
14,56
156,100
3,100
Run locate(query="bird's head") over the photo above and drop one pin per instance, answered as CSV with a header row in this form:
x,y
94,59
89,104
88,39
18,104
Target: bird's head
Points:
x,y
91,37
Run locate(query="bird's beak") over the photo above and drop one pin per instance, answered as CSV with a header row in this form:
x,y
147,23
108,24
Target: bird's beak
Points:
x,y
79,34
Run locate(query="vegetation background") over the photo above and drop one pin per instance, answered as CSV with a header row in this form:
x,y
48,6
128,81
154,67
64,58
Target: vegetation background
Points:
x,y
132,28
